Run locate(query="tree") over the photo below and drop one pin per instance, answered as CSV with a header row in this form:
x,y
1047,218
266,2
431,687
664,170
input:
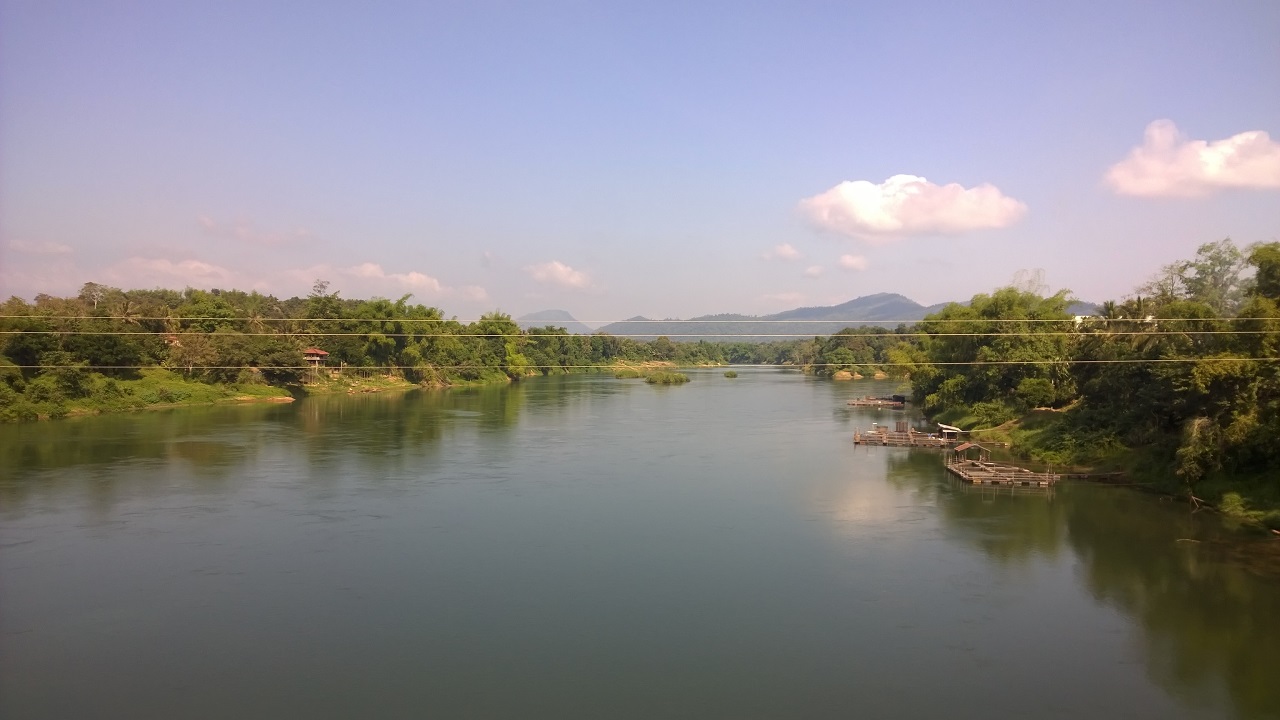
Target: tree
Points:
x,y
1265,259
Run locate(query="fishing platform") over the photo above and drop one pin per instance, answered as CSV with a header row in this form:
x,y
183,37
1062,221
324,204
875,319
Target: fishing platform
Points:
x,y
981,471
892,402
903,435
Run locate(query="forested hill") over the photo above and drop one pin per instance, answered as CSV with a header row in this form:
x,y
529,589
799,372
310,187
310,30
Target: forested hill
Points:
x,y
553,318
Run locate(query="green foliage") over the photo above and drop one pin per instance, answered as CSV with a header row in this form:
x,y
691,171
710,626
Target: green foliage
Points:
x,y
731,373
1159,378
628,373
664,377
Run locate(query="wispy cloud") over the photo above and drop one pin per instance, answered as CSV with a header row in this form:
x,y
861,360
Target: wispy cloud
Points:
x,y
557,273
814,271
1171,165
143,272
789,298
853,262
909,205
245,231
474,292
782,252
30,247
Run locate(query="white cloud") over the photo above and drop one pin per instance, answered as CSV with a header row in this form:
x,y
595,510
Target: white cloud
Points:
x,y
30,247
140,272
813,271
782,252
1169,164
557,273
909,205
474,292
412,280
853,262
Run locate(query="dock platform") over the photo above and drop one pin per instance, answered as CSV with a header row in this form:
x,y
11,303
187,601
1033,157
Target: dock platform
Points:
x,y
907,438
975,472
878,402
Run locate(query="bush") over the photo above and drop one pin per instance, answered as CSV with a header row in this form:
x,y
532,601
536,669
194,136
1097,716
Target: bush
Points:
x,y
627,374
666,378
990,414
731,373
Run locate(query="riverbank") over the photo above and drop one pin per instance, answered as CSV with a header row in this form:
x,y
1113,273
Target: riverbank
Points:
x,y
1051,438
161,388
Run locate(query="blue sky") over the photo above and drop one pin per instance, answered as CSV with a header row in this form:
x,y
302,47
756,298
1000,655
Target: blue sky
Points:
x,y
667,159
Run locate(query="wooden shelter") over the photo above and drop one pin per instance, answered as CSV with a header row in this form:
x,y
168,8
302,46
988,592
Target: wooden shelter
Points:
x,y
315,356
949,432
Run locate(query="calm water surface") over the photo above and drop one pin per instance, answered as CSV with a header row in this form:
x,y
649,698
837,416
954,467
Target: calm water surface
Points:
x,y
591,547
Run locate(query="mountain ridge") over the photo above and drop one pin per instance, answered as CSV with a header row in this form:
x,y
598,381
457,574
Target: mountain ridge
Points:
x,y
886,310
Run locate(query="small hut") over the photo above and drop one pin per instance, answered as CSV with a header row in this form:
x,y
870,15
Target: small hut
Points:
x,y
970,451
949,432
315,356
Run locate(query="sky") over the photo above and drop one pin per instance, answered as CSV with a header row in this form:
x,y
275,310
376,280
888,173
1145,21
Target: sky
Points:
x,y
666,159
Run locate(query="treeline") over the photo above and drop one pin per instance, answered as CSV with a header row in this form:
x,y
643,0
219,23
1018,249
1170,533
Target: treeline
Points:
x,y
1179,383
93,350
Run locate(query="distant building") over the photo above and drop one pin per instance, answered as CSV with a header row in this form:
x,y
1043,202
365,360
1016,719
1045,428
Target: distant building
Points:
x,y
315,356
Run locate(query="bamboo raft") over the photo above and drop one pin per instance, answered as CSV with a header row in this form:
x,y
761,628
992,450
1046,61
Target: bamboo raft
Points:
x,y
976,472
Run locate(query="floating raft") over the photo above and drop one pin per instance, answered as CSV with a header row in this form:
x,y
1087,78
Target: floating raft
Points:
x,y
908,438
878,402
977,472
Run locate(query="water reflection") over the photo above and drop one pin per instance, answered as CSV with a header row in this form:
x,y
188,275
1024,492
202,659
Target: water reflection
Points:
x,y
324,440
1202,611
1203,616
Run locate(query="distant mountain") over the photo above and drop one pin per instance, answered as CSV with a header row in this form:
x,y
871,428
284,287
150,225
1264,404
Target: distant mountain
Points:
x,y
881,309
554,318
886,310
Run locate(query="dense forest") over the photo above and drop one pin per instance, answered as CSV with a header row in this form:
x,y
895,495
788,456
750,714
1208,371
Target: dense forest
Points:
x,y
1178,385
112,349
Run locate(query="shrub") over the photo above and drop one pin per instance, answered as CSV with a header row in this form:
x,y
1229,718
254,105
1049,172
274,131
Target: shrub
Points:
x,y
627,374
731,373
666,378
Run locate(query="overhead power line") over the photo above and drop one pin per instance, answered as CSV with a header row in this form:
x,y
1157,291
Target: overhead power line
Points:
x,y
1090,319
365,333
345,368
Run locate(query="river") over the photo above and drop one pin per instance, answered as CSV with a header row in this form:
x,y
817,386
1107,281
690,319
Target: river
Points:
x,y
587,547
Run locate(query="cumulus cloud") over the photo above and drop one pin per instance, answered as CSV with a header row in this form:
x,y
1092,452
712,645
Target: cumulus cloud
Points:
x,y
853,262
557,273
909,205
813,271
782,252
1171,165
30,247
412,280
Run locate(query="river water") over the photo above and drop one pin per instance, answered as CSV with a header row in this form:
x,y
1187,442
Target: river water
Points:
x,y
586,547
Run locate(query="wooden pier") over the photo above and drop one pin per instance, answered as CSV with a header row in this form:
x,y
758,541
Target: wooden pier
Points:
x,y
901,438
976,472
